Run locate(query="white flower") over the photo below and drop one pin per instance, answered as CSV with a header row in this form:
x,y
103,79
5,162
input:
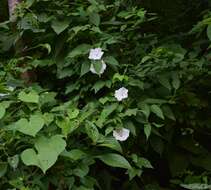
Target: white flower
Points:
x,y
96,54
103,68
121,94
121,134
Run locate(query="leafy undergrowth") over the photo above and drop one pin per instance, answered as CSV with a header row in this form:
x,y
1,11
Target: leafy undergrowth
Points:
x,y
90,98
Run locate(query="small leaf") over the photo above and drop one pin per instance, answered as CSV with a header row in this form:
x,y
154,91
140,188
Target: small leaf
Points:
x,y
59,26
157,111
115,160
147,130
168,112
144,162
98,85
94,18
111,61
97,66
130,112
72,113
31,97
175,81
165,82
67,125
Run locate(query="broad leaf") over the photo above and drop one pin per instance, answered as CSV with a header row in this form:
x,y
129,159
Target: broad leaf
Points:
x,y
31,97
115,160
48,150
79,50
157,111
31,127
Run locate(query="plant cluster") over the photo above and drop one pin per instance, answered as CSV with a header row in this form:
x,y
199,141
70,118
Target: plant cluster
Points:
x,y
92,99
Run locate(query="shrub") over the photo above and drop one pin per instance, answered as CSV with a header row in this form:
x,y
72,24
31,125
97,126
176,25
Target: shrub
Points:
x,y
90,99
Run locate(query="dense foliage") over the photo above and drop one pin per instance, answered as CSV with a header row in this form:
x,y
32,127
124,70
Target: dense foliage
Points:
x,y
58,116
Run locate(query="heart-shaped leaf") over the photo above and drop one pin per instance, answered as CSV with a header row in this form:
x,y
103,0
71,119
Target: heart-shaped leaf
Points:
x,y
48,150
31,127
31,97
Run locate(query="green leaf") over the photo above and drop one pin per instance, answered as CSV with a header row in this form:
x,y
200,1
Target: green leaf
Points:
x,y
165,82
48,150
118,77
111,61
31,97
74,154
111,143
31,127
72,113
109,109
2,111
3,168
134,172
168,112
147,130
115,160
85,67
97,66
92,131
145,109
59,26
67,125
79,50
94,18
143,162
47,97
130,112
175,81
157,111
98,85
209,32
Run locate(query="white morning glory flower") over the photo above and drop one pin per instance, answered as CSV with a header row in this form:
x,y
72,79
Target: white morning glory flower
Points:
x,y
96,54
121,134
103,68
121,94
